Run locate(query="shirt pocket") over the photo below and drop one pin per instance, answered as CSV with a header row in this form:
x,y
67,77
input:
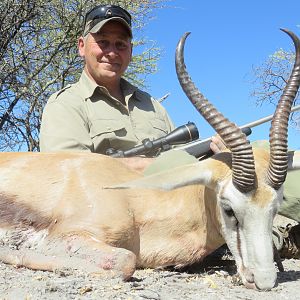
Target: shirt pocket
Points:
x,y
151,129
159,127
107,127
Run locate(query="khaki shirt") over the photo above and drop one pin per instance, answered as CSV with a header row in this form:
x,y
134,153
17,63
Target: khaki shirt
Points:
x,y
85,117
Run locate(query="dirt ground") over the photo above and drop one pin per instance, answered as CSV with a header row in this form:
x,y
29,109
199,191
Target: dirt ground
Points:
x,y
214,279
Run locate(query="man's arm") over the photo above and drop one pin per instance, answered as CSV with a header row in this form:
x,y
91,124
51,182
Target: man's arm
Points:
x,y
64,128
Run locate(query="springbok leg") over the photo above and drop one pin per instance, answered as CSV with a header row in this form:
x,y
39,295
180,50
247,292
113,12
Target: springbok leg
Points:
x,y
74,253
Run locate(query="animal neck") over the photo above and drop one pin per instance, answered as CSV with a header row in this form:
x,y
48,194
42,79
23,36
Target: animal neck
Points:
x,y
184,217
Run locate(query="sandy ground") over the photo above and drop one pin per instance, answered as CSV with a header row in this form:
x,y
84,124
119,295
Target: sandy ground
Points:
x,y
214,279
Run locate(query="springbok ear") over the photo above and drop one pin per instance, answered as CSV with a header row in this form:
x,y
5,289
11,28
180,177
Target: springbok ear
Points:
x,y
294,160
200,172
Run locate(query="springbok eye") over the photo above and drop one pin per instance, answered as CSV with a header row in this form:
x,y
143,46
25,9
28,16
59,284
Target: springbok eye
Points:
x,y
228,210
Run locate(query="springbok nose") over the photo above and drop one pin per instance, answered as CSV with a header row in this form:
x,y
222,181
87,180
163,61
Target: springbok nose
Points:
x,y
265,279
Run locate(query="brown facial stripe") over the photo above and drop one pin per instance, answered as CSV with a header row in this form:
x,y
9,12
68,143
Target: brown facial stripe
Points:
x,y
238,242
14,213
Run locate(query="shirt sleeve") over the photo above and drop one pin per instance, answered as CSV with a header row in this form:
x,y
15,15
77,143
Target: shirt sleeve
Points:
x,y
64,128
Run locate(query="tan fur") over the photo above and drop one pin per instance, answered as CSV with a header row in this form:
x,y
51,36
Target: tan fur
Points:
x,y
67,190
263,193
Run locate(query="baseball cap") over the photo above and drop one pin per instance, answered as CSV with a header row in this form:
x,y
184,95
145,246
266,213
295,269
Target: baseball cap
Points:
x,y
98,16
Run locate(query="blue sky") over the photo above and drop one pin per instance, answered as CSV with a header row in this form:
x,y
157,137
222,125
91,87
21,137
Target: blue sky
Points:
x,y
227,39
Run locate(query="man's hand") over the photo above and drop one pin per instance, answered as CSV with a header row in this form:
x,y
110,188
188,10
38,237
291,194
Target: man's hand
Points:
x,y
217,145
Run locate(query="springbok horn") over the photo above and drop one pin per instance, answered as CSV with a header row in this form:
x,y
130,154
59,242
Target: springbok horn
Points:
x,y
278,133
243,167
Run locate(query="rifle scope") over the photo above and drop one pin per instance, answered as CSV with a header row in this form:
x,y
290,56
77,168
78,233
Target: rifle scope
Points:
x,y
181,135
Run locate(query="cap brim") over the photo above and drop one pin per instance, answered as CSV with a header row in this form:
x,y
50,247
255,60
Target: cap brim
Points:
x,y
99,25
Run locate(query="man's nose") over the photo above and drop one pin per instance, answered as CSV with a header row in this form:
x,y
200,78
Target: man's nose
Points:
x,y
112,50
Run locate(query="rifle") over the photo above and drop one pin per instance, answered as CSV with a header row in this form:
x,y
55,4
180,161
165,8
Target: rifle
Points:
x,y
187,135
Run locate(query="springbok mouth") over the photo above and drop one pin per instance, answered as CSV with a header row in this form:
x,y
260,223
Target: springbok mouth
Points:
x,y
247,278
250,285
253,286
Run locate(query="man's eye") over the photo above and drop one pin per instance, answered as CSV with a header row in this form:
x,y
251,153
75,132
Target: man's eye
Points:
x,y
121,45
103,43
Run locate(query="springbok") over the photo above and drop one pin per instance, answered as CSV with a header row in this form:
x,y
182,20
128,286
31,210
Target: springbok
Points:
x,y
93,213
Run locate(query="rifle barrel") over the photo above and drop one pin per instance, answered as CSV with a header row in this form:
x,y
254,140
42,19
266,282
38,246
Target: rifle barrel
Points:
x,y
206,141
266,119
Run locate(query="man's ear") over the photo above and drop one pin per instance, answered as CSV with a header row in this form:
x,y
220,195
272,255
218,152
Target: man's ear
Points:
x,y
81,49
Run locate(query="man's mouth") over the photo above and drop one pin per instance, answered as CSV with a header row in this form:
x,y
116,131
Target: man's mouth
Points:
x,y
111,63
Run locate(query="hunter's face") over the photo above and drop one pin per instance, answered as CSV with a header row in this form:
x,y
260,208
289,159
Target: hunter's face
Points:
x,y
107,53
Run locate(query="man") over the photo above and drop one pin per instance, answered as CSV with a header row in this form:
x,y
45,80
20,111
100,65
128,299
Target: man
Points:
x,y
102,110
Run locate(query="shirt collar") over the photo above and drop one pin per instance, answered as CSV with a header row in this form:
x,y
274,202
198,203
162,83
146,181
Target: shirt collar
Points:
x,y
129,89
88,87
